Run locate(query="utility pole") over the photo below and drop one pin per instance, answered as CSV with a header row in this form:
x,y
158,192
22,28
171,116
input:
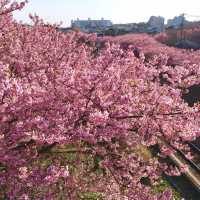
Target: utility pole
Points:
x,y
182,26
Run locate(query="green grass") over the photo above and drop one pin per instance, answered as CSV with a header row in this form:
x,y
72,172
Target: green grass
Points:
x,y
93,163
90,196
164,185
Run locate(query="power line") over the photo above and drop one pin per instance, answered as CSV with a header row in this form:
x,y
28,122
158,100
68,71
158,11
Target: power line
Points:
x,y
196,16
193,16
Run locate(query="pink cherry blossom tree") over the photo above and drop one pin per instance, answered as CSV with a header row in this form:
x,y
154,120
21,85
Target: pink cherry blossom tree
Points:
x,y
72,116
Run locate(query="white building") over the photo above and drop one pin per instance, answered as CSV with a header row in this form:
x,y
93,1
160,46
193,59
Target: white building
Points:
x,y
91,25
156,24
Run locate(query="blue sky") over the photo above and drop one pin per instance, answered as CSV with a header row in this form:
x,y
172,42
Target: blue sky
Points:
x,y
119,11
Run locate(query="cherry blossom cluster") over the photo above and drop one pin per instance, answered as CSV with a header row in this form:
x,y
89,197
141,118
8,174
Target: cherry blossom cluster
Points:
x,y
151,46
74,116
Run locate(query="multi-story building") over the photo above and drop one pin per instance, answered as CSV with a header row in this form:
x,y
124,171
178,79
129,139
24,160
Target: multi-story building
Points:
x,y
91,25
176,22
156,24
